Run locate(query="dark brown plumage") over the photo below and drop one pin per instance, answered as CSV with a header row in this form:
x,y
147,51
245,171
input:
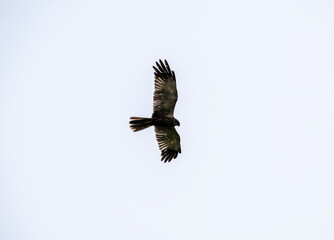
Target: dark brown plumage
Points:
x,y
164,100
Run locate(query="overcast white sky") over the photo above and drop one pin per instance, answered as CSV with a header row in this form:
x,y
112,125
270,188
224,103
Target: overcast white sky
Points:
x,y
256,106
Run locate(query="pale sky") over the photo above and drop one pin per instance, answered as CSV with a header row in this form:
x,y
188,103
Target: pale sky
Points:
x,y
256,106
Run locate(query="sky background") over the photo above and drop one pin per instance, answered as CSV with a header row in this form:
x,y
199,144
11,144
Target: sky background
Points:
x,y
256,105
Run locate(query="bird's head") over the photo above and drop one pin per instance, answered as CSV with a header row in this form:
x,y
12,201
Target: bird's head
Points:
x,y
176,122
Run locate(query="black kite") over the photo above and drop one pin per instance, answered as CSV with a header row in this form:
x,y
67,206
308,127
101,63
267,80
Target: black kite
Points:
x,y
164,100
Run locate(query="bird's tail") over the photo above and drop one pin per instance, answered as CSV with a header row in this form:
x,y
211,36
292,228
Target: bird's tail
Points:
x,y
139,123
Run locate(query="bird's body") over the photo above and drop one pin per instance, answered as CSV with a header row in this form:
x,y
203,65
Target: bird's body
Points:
x,y
164,121
164,100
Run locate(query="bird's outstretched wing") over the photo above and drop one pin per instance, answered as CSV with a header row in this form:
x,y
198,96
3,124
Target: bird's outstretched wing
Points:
x,y
168,141
165,93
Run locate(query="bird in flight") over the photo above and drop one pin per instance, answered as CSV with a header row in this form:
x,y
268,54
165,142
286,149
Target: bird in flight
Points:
x,y
164,100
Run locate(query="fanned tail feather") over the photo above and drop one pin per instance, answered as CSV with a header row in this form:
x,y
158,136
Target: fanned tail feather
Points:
x,y
139,123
